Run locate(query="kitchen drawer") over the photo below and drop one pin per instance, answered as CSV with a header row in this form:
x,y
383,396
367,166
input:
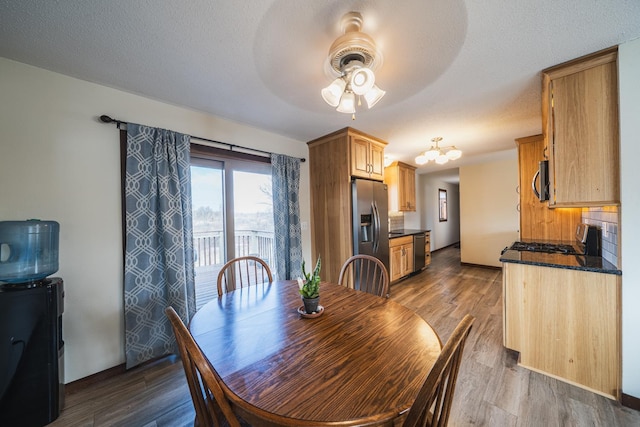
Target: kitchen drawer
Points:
x,y
399,241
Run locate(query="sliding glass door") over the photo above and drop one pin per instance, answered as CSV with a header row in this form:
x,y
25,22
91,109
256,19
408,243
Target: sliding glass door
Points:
x,y
253,215
232,217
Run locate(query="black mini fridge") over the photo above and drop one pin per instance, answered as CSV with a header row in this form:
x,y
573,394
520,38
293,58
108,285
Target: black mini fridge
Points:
x,y
31,352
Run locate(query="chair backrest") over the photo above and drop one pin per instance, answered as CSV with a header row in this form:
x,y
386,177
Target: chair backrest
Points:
x,y
209,400
365,273
433,403
242,272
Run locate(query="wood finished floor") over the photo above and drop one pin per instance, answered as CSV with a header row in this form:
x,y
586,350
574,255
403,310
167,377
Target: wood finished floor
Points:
x,y
492,389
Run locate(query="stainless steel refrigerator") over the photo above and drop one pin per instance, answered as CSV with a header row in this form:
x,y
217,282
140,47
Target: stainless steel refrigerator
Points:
x,y
370,219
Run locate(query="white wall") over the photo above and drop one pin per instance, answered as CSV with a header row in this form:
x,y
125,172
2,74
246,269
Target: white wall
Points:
x,y
489,219
629,70
442,233
58,162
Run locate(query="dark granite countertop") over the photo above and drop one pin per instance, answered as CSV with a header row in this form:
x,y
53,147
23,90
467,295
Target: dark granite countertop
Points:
x,y
405,232
572,262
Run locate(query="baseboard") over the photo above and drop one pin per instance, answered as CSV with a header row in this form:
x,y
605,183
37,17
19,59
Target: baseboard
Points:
x,y
445,247
83,383
630,401
489,267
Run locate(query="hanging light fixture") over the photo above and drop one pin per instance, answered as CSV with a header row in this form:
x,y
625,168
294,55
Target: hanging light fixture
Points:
x,y
353,58
440,155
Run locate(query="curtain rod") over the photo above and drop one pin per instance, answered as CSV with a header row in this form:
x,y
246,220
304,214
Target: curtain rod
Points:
x,y
106,119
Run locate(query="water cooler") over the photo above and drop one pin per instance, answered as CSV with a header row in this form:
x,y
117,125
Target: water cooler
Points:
x,y
31,307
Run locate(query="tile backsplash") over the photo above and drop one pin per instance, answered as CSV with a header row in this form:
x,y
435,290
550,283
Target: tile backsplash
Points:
x,y
607,219
396,221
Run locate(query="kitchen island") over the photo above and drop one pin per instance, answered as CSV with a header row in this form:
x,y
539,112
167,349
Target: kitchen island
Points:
x,y
562,314
594,264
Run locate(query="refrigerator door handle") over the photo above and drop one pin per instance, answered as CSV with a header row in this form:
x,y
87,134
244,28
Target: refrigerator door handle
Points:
x,y
376,226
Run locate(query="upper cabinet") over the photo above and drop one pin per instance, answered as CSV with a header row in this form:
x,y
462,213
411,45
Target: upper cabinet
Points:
x,y
401,180
367,156
537,221
580,125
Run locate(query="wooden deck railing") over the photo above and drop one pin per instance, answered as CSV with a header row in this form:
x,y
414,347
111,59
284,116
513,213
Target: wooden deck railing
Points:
x,y
209,256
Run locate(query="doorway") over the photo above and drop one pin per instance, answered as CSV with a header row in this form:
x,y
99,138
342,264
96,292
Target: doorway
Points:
x,y
232,212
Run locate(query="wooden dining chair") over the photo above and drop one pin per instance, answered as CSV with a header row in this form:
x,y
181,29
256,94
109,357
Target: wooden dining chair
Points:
x,y
365,273
242,272
211,405
433,403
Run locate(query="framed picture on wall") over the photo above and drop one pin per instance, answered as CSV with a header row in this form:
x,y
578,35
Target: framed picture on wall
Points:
x,y
442,204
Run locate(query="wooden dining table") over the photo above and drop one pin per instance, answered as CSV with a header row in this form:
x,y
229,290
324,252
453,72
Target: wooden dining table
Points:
x,y
361,362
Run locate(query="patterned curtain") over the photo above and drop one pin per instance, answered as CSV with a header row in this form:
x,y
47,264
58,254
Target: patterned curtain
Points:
x,y
158,240
285,175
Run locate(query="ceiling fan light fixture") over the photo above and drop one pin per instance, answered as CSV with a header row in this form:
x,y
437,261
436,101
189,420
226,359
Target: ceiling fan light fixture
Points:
x,y
374,95
332,93
362,80
353,58
347,103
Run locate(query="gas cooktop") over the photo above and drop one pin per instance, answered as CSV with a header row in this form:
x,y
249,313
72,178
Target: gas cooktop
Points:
x,y
549,248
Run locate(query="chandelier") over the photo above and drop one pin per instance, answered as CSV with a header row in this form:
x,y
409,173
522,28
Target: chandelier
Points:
x,y
441,155
353,58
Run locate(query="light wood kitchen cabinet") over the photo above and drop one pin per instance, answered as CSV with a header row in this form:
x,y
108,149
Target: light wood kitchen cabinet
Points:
x,y
581,129
537,220
401,257
330,170
367,155
427,248
565,323
401,180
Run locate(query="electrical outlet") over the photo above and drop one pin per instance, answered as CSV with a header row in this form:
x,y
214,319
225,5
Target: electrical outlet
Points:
x,y
304,225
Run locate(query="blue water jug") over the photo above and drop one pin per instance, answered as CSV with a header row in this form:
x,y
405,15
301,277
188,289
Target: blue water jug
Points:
x,y
28,250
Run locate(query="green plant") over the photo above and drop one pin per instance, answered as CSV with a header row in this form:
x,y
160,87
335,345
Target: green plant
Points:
x,y
310,285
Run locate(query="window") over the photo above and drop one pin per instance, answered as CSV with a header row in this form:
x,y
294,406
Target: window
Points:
x,y
442,206
232,214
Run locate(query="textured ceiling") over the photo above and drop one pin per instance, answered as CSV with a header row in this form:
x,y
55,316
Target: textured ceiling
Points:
x,y
468,71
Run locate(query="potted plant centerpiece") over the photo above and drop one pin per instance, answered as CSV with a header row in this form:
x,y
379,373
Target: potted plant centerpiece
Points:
x,y
310,288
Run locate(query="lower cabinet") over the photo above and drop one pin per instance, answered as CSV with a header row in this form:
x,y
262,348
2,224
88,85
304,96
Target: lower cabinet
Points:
x,y
565,323
401,257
